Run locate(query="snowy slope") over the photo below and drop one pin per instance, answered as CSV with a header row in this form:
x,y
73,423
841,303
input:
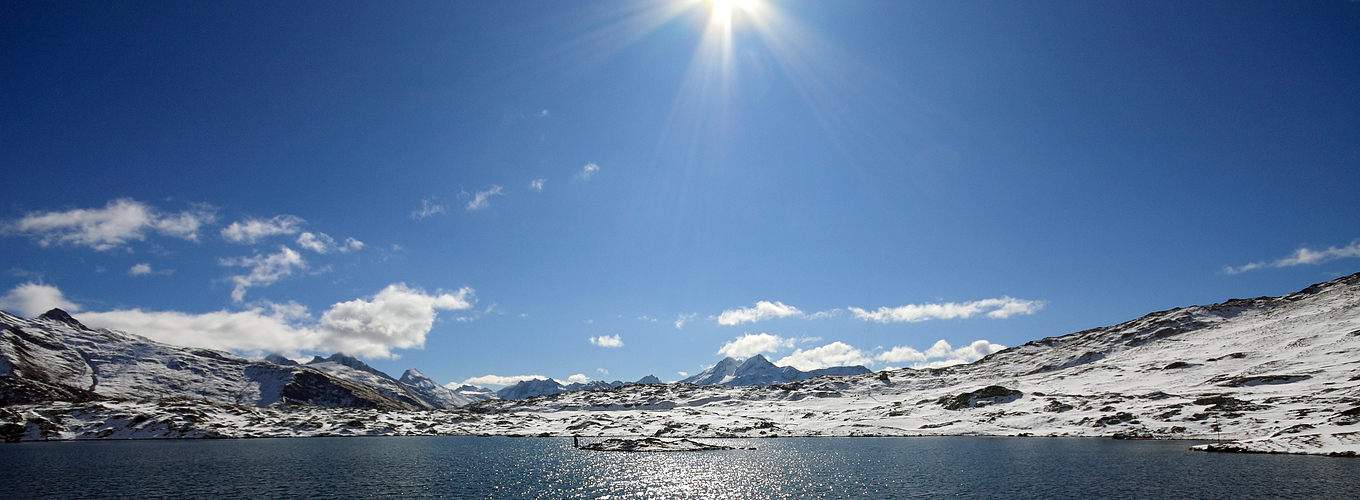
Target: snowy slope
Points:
x,y
435,394
471,392
56,350
1270,374
344,367
757,370
544,387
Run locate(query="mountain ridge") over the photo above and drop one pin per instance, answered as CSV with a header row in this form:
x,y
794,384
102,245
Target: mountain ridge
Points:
x,y
1270,374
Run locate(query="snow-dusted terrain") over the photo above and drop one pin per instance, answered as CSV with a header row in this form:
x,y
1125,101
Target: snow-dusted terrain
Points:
x,y
53,356
546,387
757,370
1267,374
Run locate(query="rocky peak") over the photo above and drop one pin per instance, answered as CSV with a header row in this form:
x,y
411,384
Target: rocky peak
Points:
x,y
650,379
61,316
278,359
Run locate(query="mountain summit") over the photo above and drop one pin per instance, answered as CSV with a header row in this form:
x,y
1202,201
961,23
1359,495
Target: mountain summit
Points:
x,y
757,370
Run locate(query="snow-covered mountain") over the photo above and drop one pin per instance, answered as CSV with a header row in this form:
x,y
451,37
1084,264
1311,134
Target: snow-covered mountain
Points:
x,y
55,357
435,394
1273,374
544,387
471,392
349,368
757,370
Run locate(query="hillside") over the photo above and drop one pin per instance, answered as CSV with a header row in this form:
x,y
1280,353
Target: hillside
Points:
x,y
1274,374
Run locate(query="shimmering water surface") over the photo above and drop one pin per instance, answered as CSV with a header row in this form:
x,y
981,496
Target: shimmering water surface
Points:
x,y
473,467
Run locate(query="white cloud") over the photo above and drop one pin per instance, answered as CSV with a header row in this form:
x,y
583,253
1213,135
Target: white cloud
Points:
x,y
602,371
902,354
32,299
537,185
1303,256
145,268
120,221
683,374
762,311
607,341
398,317
316,242
499,380
250,230
1004,307
749,345
589,171
833,354
323,243
427,208
940,355
480,201
579,378
682,319
264,269
825,314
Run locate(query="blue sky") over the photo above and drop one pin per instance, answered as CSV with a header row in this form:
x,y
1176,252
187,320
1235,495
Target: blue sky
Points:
x,y
608,190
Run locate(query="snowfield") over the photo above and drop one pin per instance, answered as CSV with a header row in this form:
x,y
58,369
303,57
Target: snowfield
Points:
x,y
1271,375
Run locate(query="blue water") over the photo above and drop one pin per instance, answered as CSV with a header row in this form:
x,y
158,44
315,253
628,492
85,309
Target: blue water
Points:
x,y
473,467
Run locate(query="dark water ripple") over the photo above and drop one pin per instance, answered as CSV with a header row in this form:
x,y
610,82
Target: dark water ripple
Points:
x,y
471,467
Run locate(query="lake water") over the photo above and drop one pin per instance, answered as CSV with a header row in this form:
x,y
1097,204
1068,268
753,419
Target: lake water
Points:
x,y
476,467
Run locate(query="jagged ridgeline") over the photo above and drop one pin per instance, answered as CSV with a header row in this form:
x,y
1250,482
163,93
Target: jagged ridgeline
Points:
x,y
55,358
1273,373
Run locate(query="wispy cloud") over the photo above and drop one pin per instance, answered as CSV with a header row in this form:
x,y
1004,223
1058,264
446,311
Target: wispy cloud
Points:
x,y
1303,256
398,317
536,185
120,221
251,230
1001,308
323,243
427,208
607,341
602,371
145,269
682,319
749,345
480,201
763,310
588,171
264,270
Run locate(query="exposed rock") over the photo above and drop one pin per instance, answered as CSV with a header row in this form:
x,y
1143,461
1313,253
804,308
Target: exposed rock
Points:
x,y
651,444
988,395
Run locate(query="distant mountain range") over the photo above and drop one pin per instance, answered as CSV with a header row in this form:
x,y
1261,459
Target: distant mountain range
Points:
x,y
757,370
546,386
1270,374
56,358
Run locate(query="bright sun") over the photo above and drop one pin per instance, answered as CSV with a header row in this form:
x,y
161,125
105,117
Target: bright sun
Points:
x,y
722,9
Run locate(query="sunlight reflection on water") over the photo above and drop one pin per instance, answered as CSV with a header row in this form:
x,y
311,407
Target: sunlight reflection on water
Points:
x,y
546,468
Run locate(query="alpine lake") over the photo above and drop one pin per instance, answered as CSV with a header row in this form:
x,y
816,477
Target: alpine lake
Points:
x,y
550,468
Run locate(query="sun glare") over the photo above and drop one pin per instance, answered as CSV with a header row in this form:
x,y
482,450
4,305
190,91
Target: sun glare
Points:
x,y
722,9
